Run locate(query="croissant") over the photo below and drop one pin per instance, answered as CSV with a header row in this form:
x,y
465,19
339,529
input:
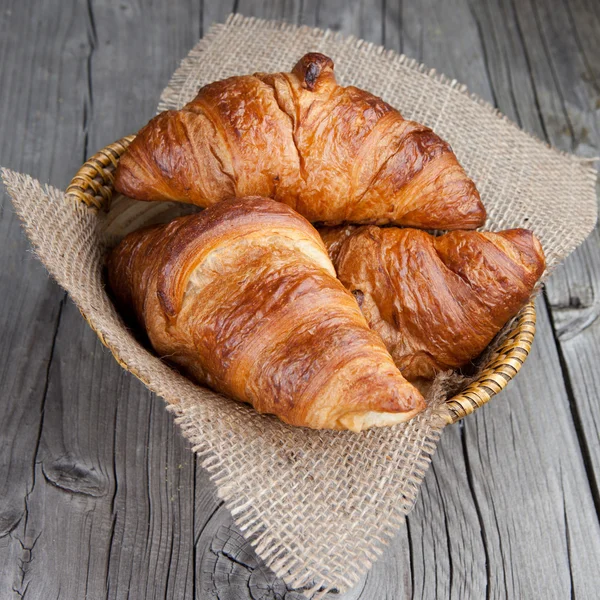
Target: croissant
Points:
x,y
436,302
244,298
335,154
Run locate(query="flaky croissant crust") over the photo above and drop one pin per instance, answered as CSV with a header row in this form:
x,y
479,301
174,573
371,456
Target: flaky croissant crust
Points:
x,y
437,302
335,154
244,298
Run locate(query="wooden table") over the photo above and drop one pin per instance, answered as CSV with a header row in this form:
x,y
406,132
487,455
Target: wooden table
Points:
x,y
100,495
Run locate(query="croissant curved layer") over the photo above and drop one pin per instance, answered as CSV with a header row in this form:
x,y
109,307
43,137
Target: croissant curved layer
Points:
x,y
244,298
335,154
437,302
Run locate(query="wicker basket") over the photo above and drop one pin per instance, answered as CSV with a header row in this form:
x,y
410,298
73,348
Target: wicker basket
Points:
x,y
93,186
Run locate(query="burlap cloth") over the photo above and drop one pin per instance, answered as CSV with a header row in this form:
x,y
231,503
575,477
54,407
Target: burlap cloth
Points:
x,y
319,506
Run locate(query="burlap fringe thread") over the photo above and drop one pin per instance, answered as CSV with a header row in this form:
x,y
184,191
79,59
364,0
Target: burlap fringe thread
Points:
x,y
319,507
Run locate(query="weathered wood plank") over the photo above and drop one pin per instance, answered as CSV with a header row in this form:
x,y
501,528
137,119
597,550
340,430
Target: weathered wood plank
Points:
x,y
137,46
584,18
360,18
447,550
528,476
444,36
39,90
151,548
106,426
563,109
574,290
111,508
214,12
288,10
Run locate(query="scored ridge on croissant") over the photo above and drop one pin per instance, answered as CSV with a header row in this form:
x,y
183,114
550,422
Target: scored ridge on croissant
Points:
x,y
244,298
437,302
335,154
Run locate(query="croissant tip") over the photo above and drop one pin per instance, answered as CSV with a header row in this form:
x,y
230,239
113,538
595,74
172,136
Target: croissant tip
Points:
x,y
528,244
120,180
473,209
361,421
478,212
475,219
405,399
311,67
522,236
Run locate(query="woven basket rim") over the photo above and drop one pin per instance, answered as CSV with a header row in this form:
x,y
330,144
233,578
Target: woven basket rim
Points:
x,y
92,186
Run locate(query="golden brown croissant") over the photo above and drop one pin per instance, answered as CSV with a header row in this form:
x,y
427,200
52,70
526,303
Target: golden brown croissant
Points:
x,y
335,154
244,297
437,302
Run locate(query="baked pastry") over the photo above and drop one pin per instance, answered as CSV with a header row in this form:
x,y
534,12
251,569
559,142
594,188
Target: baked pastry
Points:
x,y
436,302
335,154
244,298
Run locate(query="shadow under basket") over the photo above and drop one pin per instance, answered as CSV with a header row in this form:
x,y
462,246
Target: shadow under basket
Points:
x,y
93,186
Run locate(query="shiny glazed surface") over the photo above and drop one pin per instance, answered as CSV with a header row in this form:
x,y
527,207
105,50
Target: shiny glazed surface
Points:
x,y
335,154
436,302
244,298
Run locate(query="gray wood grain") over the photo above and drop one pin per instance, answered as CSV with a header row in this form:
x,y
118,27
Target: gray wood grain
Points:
x,y
105,435
573,293
563,109
30,304
100,495
529,436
